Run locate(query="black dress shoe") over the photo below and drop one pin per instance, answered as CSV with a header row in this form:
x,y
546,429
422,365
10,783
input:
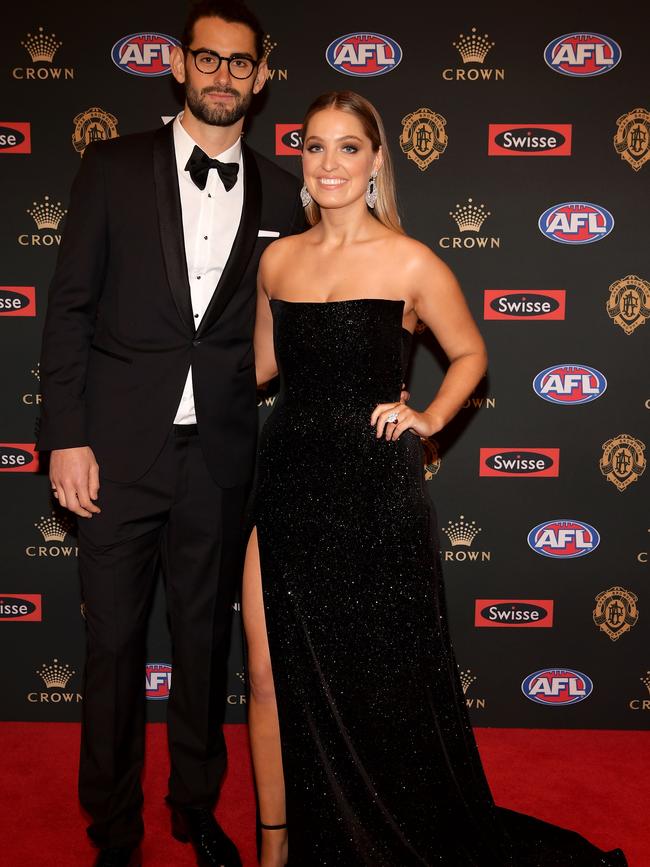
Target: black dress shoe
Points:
x,y
119,856
212,845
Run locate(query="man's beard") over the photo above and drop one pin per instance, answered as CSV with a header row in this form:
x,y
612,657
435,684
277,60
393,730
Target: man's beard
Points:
x,y
217,115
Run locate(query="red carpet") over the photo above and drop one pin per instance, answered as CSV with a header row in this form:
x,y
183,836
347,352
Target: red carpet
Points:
x,y
596,782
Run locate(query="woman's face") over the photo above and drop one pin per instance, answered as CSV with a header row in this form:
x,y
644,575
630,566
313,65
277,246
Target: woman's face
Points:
x,y
337,158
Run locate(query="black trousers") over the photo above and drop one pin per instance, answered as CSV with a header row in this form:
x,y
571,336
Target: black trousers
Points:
x,y
176,517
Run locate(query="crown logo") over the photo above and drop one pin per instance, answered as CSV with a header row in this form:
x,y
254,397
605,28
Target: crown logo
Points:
x,y
36,371
41,47
473,48
267,47
55,675
469,217
461,532
55,528
47,215
466,679
646,680
241,676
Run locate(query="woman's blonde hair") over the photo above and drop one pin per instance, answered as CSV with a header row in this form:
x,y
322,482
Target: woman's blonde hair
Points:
x,y
385,209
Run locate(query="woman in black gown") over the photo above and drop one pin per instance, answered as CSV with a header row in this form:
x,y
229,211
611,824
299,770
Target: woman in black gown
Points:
x,y
357,718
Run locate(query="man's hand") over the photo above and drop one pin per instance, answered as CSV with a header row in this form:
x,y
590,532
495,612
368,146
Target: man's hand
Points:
x,y
74,476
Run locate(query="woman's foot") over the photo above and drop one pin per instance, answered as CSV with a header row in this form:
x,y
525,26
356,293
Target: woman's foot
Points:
x,y
275,846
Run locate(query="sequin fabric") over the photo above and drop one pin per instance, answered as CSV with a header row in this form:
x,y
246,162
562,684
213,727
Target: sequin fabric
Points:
x,y
381,768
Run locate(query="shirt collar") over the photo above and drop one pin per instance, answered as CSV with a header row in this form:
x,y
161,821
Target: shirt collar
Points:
x,y
184,145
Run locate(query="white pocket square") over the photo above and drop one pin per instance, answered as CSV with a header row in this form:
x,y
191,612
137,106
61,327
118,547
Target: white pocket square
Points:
x,y
268,233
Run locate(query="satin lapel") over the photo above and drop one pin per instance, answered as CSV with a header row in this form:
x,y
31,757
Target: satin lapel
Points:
x,y
170,218
243,244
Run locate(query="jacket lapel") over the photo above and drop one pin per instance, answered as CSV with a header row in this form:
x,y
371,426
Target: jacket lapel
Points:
x,y
243,244
170,219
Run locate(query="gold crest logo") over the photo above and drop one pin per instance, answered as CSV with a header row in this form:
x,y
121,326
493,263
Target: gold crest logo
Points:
x,y
623,460
95,124
632,139
616,612
423,137
432,460
629,302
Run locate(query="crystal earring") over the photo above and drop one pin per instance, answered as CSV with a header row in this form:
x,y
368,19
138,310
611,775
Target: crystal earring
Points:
x,y
371,192
305,197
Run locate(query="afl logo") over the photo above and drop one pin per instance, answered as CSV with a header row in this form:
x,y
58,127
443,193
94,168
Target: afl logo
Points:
x,y
145,54
363,54
570,384
556,686
582,54
158,680
576,223
563,539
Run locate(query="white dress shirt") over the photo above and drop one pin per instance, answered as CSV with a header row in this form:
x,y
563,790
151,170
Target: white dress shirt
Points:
x,y
210,222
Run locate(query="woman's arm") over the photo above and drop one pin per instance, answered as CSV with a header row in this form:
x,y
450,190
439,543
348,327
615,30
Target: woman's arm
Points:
x,y
439,302
265,364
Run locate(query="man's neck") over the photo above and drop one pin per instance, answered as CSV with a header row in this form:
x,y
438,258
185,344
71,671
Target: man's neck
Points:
x,y
214,140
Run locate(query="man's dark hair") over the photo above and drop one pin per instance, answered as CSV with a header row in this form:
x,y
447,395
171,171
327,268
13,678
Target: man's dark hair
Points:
x,y
232,11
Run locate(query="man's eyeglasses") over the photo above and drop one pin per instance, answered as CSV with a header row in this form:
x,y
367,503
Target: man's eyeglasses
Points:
x,y
207,61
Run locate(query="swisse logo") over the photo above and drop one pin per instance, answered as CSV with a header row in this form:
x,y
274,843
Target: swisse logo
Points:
x,y
363,54
17,301
555,686
570,384
517,463
145,54
582,54
15,138
288,140
513,612
576,223
23,608
529,140
563,539
158,680
512,304
18,458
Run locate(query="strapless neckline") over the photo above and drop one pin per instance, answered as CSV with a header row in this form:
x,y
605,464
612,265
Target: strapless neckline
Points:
x,y
399,301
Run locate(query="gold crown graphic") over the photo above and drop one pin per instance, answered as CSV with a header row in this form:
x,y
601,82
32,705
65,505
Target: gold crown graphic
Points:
x,y
37,371
46,215
473,48
466,679
55,528
241,676
41,47
460,532
267,46
646,680
469,217
55,675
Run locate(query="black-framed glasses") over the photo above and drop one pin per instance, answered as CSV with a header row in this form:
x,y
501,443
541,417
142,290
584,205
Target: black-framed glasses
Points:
x,y
208,61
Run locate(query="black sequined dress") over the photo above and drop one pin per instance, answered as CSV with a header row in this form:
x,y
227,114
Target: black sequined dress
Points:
x,y
380,764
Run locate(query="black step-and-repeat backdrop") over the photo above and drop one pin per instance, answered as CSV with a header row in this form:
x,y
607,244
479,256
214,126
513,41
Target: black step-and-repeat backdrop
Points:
x,y
520,143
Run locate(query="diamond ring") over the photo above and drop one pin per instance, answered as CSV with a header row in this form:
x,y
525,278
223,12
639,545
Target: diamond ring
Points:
x,y
393,418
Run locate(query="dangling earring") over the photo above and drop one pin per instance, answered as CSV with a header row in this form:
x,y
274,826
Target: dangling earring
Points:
x,y
305,197
371,192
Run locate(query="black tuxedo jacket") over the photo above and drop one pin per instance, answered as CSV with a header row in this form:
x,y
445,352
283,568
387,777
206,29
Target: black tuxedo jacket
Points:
x,y
119,333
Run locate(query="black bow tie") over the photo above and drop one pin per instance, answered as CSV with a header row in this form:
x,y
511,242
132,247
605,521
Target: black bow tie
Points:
x,y
199,164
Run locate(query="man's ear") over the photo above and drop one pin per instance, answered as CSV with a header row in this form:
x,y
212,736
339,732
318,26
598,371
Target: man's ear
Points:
x,y
177,63
261,75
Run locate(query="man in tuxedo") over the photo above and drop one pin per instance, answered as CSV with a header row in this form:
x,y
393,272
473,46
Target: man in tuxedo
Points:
x,y
149,411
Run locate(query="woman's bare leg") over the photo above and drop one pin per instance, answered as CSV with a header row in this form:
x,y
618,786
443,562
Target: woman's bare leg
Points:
x,y
263,724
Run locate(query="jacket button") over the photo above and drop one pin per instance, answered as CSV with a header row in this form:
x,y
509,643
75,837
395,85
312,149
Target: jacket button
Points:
x,y
196,342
